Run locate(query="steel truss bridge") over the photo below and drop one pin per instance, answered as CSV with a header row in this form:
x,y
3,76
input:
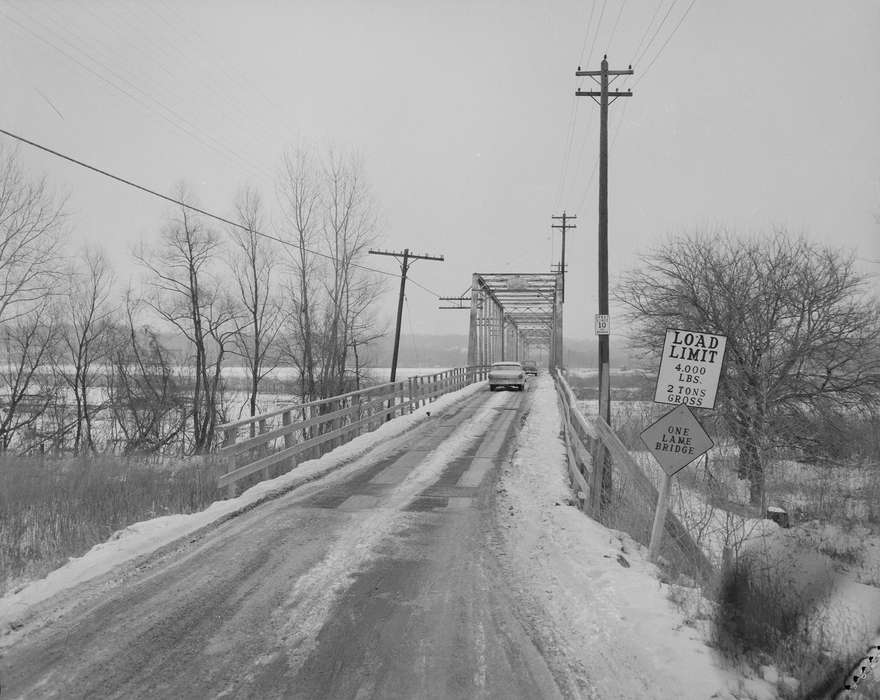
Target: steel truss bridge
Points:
x,y
515,315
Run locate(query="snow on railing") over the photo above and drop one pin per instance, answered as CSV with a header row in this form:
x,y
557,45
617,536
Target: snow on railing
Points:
x,y
273,441
630,505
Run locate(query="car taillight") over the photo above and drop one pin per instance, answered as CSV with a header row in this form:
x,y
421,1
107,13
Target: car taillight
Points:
x,y
521,375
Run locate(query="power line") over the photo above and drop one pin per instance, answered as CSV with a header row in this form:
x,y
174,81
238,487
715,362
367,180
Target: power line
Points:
x,y
222,103
589,58
246,82
566,154
656,32
587,33
182,123
648,28
616,22
668,39
198,210
596,35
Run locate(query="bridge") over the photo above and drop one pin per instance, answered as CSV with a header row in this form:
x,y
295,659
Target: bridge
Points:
x,y
377,565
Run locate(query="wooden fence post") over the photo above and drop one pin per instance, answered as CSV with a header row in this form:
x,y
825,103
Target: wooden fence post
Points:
x,y
288,438
264,448
229,436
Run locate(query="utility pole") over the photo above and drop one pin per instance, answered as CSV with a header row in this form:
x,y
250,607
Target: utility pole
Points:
x,y
604,78
405,261
564,226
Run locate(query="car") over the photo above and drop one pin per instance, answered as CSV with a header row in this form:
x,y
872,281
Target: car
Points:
x,y
507,374
530,367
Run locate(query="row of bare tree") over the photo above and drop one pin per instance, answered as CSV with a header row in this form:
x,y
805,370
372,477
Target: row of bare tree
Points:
x,y
85,364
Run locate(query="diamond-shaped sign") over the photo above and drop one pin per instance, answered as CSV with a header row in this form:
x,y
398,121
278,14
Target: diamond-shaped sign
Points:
x,y
676,440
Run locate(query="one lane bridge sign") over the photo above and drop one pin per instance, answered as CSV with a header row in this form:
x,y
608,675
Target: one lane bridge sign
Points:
x,y
676,440
690,368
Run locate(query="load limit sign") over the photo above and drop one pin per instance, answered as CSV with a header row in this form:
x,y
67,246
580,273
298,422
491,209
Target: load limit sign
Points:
x,y
603,324
690,368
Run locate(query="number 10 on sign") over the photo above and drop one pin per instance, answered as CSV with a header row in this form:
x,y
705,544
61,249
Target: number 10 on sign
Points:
x,y
603,324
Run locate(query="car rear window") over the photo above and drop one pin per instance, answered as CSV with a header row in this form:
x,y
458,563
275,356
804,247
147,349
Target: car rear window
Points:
x,y
509,367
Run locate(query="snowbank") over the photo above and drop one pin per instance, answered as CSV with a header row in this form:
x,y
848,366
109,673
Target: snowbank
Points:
x,y
606,611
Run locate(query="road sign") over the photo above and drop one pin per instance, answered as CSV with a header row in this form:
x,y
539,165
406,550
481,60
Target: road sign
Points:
x,y
676,440
603,324
690,368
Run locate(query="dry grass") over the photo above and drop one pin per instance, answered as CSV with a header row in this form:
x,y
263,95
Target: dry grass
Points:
x,y
53,509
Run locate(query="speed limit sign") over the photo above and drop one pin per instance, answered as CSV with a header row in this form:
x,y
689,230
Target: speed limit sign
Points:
x,y
603,324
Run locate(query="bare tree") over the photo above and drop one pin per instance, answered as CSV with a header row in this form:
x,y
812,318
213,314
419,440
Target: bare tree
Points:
x,y
28,382
254,269
802,336
31,219
188,294
299,192
145,390
87,336
349,228
331,221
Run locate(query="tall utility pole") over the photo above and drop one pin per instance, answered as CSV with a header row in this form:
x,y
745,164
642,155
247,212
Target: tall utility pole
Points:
x,y
564,226
604,78
405,261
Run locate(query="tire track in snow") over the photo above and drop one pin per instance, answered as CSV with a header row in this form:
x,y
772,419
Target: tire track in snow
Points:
x,y
315,594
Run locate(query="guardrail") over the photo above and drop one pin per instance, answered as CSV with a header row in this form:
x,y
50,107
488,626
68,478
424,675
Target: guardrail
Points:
x,y
632,504
274,440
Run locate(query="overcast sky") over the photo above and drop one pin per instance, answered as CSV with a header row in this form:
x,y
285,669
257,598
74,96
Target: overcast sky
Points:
x,y
747,114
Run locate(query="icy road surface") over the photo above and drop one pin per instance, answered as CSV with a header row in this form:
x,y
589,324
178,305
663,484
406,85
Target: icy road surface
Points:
x,y
378,584
443,563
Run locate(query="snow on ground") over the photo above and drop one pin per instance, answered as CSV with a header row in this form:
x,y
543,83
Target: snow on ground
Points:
x,y
606,610
147,536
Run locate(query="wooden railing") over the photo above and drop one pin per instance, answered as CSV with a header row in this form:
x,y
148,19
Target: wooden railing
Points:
x,y
580,437
274,441
632,504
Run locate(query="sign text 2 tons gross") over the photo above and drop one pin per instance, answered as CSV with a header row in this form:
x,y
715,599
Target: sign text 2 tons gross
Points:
x,y
690,368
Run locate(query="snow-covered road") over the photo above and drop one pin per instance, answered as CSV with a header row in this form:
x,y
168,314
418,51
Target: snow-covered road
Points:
x,y
441,560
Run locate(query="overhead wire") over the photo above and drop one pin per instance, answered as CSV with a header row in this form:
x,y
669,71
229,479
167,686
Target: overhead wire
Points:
x,y
616,22
586,62
665,43
566,157
242,84
648,28
196,209
641,75
181,124
220,104
154,46
245,82
654,35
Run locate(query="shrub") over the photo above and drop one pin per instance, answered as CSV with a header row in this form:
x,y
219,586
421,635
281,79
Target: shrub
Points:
x,y
762,617
53,509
